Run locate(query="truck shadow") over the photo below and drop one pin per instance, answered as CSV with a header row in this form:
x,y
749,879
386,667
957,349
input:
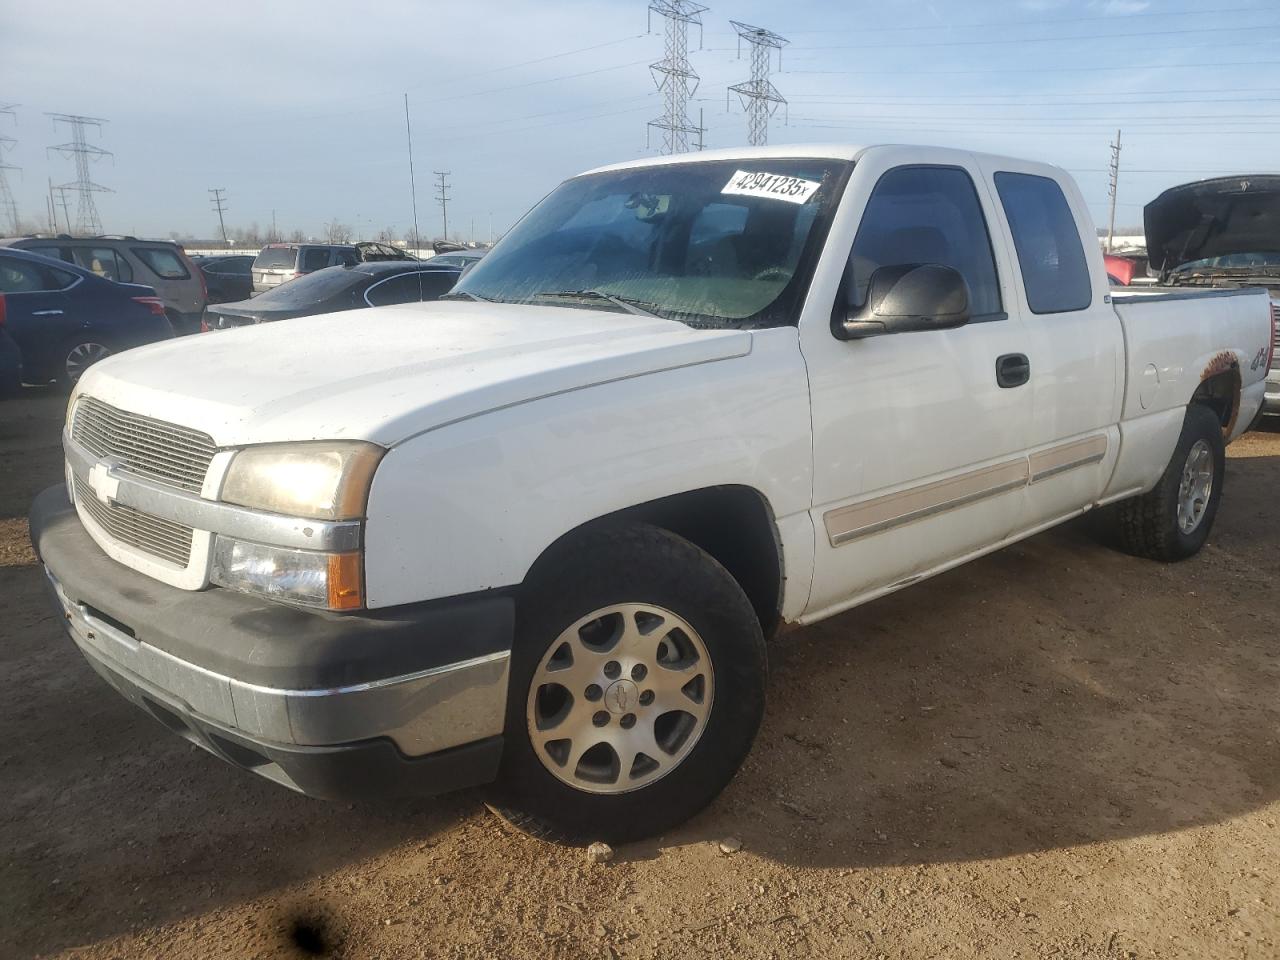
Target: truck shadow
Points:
x,y
1052,694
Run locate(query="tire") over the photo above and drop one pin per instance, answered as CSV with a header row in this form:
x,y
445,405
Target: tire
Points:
x,y
76,356
583,601
1152,525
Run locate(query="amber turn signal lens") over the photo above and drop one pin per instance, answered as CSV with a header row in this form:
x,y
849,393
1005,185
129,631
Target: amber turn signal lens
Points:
x,y
346,592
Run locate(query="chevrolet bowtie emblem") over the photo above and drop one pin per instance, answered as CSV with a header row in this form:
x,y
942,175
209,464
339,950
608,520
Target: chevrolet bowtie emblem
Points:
x,y
102,483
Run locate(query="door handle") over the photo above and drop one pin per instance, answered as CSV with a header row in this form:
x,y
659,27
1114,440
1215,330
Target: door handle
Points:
x,y
1012,370
46,313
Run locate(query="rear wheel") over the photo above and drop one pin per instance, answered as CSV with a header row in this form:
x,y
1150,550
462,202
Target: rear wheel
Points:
x,y
1172,521
79,355
637,688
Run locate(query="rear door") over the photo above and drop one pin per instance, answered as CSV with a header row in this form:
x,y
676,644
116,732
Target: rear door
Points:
x,y
1074,343
40,315
919,452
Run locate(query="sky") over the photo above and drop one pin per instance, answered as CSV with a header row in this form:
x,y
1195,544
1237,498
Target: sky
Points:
x,y
297,109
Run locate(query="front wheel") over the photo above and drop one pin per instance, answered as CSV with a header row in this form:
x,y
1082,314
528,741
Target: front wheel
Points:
x,y
1172,521
637,688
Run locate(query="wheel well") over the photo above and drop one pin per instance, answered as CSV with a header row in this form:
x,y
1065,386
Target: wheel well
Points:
x,y
1220,392
732,523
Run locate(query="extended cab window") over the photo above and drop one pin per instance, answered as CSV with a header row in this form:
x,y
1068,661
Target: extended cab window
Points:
x,y
926,215
1050,255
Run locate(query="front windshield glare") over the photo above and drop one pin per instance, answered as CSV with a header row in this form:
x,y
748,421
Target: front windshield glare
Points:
x,y
719,243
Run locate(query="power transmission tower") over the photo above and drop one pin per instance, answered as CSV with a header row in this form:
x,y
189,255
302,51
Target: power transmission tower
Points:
x,y
220,204
8,206
442,196
87,220
1113,189
674,77
759,97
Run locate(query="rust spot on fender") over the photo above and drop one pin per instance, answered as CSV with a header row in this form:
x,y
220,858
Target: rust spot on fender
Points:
x,y
1226,363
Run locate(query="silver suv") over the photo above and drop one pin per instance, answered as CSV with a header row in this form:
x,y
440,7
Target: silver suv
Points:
x,y
278,263
159,264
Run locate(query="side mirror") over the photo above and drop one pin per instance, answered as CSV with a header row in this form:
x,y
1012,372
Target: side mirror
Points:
x,y
908,298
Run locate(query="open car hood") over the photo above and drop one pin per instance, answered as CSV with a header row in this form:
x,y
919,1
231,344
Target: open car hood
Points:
x,y
1213,218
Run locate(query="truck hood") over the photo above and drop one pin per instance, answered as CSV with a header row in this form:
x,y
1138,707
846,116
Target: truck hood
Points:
x,y
390,373
1213,218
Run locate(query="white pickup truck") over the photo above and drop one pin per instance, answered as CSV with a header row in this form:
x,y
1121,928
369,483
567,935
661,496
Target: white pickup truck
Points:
x,y
536,536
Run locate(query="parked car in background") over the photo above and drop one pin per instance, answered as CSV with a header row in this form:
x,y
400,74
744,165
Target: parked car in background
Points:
x,y
10,358
278,263
458,258
374,251
1120,270
338,288
1224,233
227,278
65,318
160,264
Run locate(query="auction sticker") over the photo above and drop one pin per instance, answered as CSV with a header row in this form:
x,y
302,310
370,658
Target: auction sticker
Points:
x,y
773,185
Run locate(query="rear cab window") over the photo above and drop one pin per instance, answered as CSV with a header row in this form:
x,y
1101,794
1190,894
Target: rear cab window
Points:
x,y
163,262
1051,257
927,214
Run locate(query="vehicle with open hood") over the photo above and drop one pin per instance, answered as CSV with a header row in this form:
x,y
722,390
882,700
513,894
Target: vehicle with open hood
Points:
x,y
1221,233
536,534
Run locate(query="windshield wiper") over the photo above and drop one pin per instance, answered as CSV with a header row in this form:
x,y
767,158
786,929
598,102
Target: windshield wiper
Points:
x,y
641,308
459,294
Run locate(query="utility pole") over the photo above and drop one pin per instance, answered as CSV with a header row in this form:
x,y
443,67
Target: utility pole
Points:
x,y
673,75
8,206
442,196
1113,189
220,204
759,97
66,206
87,221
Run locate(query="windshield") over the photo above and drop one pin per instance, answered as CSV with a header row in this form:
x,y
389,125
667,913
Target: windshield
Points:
x,y
1232,261
723,243
310,289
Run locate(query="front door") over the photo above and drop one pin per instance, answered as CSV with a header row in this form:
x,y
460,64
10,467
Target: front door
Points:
x,y
919,451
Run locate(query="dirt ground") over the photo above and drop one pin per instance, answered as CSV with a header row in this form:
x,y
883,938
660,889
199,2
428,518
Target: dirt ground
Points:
x,y
1055,751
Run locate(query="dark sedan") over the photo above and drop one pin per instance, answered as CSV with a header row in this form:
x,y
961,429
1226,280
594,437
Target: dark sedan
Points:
x,y
337,288
228,277
10,358
65,318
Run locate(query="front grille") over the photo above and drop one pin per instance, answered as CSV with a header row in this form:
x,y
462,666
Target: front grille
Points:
x,y
150,448
160,538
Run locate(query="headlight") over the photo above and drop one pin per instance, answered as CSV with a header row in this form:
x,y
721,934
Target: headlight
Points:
x,y
330,580
321,480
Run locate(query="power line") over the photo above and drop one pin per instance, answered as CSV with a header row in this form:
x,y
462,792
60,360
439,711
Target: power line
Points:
x,y
87,221
1107,18
673,75
879,71
759,97
220,204
442,197
1019,40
